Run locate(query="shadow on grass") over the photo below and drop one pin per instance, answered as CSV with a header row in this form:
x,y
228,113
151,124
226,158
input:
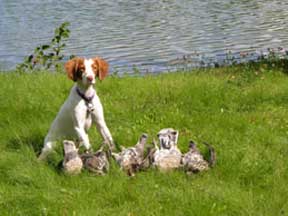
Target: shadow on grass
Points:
x,y
34,141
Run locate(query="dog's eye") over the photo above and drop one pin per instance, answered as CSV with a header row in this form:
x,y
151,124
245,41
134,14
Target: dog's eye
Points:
x,y
94,67
81,69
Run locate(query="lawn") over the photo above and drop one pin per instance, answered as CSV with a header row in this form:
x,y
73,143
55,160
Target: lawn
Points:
x,y
242,112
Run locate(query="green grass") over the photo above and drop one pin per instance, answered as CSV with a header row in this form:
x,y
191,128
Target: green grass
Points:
x,y
241,112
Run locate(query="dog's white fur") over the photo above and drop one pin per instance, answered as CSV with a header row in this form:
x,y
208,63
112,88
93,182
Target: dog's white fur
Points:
x,y
73,120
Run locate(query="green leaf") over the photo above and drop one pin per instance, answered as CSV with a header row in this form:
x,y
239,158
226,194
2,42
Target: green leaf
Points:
x,y
44,47
58,38
41,60
72,56
37,49
30,58
57,31
65,34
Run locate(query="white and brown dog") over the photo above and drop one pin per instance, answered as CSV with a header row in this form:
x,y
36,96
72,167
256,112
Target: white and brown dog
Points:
x,y
82,107
168,156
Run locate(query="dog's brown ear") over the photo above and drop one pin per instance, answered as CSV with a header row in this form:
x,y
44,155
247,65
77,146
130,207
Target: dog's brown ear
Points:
x,y
72,67
101,68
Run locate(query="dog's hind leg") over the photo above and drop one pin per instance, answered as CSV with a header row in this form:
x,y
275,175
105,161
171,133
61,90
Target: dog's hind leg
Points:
x,y
48,146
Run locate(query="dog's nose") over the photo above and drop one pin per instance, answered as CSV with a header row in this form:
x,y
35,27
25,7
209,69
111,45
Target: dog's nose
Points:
x,y
90,78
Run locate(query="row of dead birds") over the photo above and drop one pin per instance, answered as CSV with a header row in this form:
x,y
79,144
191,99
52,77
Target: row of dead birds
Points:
x,y
165,156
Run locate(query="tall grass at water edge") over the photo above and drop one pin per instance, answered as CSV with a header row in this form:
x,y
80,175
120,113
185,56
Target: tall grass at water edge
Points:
x,y
242,113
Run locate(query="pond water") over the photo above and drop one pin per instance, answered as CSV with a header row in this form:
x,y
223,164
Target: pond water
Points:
x,y
149,35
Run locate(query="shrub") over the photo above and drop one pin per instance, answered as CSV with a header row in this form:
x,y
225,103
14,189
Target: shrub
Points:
x,y
47,55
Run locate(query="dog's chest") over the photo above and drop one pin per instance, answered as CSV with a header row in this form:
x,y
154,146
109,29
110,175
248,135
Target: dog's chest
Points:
x,y
83,114
88,121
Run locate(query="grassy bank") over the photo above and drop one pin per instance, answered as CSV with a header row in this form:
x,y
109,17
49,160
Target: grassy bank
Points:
x,y
243,113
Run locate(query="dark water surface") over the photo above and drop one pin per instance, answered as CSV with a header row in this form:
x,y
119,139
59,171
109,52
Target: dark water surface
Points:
x,y
149,35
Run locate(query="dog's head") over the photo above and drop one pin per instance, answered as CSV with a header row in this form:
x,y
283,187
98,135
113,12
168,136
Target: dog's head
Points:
x,y
86,70
168,138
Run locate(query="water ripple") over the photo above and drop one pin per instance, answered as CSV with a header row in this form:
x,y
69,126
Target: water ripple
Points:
x,y
151,35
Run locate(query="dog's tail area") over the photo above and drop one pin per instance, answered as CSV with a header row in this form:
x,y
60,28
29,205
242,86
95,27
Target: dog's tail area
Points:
x,y
212,154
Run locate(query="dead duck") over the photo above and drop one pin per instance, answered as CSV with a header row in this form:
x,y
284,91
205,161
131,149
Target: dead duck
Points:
x,y
96,162
72,163
168,156
194,162
131,159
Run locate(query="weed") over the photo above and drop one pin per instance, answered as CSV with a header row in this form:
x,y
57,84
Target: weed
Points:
x,y
47,55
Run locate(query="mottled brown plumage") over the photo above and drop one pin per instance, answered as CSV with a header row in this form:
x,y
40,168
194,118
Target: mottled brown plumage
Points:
x,y
131,159
96,162
194,162
72,163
